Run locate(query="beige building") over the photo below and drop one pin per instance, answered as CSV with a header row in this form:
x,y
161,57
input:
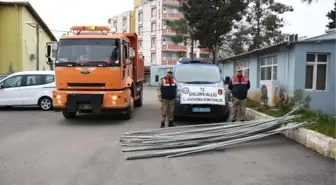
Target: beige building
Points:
x,y
18,22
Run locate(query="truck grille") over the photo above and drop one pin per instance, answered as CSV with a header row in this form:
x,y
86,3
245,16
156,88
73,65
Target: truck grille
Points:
x,y
86,84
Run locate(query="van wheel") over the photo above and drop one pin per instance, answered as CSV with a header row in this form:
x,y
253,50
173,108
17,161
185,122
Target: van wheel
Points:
x,y
45,103
177,118
138,102
225,116
68,115
130,110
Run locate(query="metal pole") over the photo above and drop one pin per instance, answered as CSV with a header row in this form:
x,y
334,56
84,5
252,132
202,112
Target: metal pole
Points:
x,y
37,47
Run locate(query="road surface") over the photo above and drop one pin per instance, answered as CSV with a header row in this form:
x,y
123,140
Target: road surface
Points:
x,y
41,148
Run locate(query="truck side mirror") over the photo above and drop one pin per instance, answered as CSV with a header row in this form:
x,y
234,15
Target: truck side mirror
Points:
x,y
131,53
48,51
49,61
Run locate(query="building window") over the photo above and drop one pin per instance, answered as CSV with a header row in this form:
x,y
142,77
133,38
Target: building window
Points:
x,y
316,71
140,30
153,42
153,14
124,22
153,27
244,65
268,68
140,15
153,58
156,78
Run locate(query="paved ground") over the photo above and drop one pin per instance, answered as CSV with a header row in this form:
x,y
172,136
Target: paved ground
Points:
x,y
42,148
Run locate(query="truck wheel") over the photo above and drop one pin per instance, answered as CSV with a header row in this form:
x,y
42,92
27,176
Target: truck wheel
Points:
x,y
130,109
68,115
138,102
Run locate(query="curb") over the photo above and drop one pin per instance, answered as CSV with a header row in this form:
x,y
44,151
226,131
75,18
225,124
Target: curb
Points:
x,y
318,142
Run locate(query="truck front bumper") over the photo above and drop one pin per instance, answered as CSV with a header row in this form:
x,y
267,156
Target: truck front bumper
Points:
x,y
90,101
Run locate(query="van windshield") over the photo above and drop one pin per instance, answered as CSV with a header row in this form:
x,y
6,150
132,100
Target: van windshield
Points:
x,y
88,51
197,73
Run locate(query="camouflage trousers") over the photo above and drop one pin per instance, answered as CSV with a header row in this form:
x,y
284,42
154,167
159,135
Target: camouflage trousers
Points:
x,y
167,110
238,109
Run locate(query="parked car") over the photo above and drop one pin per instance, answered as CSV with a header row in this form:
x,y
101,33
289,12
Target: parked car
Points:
x,y
28,88
2,77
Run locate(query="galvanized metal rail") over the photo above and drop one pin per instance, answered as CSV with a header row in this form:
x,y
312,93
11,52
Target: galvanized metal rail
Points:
x,y
184,140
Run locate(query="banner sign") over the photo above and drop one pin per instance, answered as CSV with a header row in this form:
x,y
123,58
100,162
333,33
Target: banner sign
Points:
x,y
202,95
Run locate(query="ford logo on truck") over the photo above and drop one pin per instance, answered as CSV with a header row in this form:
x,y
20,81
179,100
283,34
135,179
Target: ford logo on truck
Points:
x,y
86,71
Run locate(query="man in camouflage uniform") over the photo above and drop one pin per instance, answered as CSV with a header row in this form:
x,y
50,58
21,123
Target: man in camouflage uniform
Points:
x,y
239,86
166,94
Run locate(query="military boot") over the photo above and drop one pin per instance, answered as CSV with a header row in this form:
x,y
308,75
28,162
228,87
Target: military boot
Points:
x,y
162,124
170,124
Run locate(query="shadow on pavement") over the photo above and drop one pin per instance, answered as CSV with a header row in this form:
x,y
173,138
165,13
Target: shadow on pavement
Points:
x,y
20,109
94,119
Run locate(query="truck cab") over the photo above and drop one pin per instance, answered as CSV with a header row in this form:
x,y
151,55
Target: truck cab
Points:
x,y
96,70
200,90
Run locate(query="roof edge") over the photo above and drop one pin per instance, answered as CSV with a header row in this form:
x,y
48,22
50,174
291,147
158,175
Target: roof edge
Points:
x,y
256,50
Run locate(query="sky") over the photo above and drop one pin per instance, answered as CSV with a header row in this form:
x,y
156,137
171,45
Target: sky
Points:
x,y
305,20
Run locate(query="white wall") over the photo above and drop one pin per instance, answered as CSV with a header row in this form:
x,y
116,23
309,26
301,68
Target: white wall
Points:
x,y
146,30
119,18
159,36
158,72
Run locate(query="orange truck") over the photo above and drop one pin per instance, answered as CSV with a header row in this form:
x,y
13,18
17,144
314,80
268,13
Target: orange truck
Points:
x,y
96,70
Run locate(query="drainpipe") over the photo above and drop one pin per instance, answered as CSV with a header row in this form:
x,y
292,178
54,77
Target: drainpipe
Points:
x,y
37,47
17,38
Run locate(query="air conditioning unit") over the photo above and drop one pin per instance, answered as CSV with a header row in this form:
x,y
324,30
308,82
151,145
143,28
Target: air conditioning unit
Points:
x,y
269,92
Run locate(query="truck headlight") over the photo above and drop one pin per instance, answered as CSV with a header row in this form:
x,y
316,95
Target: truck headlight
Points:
x,y
114,97
58,97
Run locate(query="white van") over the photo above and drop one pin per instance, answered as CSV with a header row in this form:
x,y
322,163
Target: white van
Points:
x,y
28,88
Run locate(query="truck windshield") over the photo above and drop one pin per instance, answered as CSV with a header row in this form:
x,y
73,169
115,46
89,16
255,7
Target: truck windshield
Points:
x,y
197,73
88,52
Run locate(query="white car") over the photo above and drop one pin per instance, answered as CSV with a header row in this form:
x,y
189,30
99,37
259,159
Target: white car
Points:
x,y
28,88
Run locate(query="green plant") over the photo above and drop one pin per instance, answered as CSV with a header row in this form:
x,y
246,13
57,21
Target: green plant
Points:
x,y
298,98
322,123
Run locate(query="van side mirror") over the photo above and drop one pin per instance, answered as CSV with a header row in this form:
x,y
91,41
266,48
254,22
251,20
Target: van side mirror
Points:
x,y
227,80
2,86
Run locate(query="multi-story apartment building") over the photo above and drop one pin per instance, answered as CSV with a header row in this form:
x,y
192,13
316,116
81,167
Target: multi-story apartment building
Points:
x,y
123,22
151,25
